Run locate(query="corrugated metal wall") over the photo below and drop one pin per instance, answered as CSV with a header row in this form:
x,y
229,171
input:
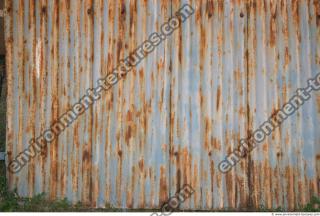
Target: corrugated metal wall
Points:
x,y
181,110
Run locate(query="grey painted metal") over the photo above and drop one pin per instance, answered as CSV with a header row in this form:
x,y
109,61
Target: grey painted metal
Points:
x,y
2,156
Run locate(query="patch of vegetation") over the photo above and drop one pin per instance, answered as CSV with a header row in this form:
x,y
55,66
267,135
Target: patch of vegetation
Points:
x,y
10,201
265,209
313,205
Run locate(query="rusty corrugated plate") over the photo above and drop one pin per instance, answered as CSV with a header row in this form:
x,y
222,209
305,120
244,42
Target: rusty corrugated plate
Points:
x,y
284,45
177,114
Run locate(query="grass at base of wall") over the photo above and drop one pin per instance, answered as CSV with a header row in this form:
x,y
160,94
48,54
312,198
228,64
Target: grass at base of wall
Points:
x,y
11,202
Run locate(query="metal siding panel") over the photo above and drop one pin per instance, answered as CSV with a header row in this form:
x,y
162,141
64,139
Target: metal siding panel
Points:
x,y
280,37
177,114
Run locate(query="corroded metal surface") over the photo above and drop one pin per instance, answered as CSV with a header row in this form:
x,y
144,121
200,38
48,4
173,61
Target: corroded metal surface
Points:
x,y
179,112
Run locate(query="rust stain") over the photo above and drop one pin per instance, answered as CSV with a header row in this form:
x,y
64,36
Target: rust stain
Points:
x,y
317,11
218,98
210,8
163,185
216,143
273,23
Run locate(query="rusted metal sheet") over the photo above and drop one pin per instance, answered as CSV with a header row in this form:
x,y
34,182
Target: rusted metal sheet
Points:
x,y
179,112
284,45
